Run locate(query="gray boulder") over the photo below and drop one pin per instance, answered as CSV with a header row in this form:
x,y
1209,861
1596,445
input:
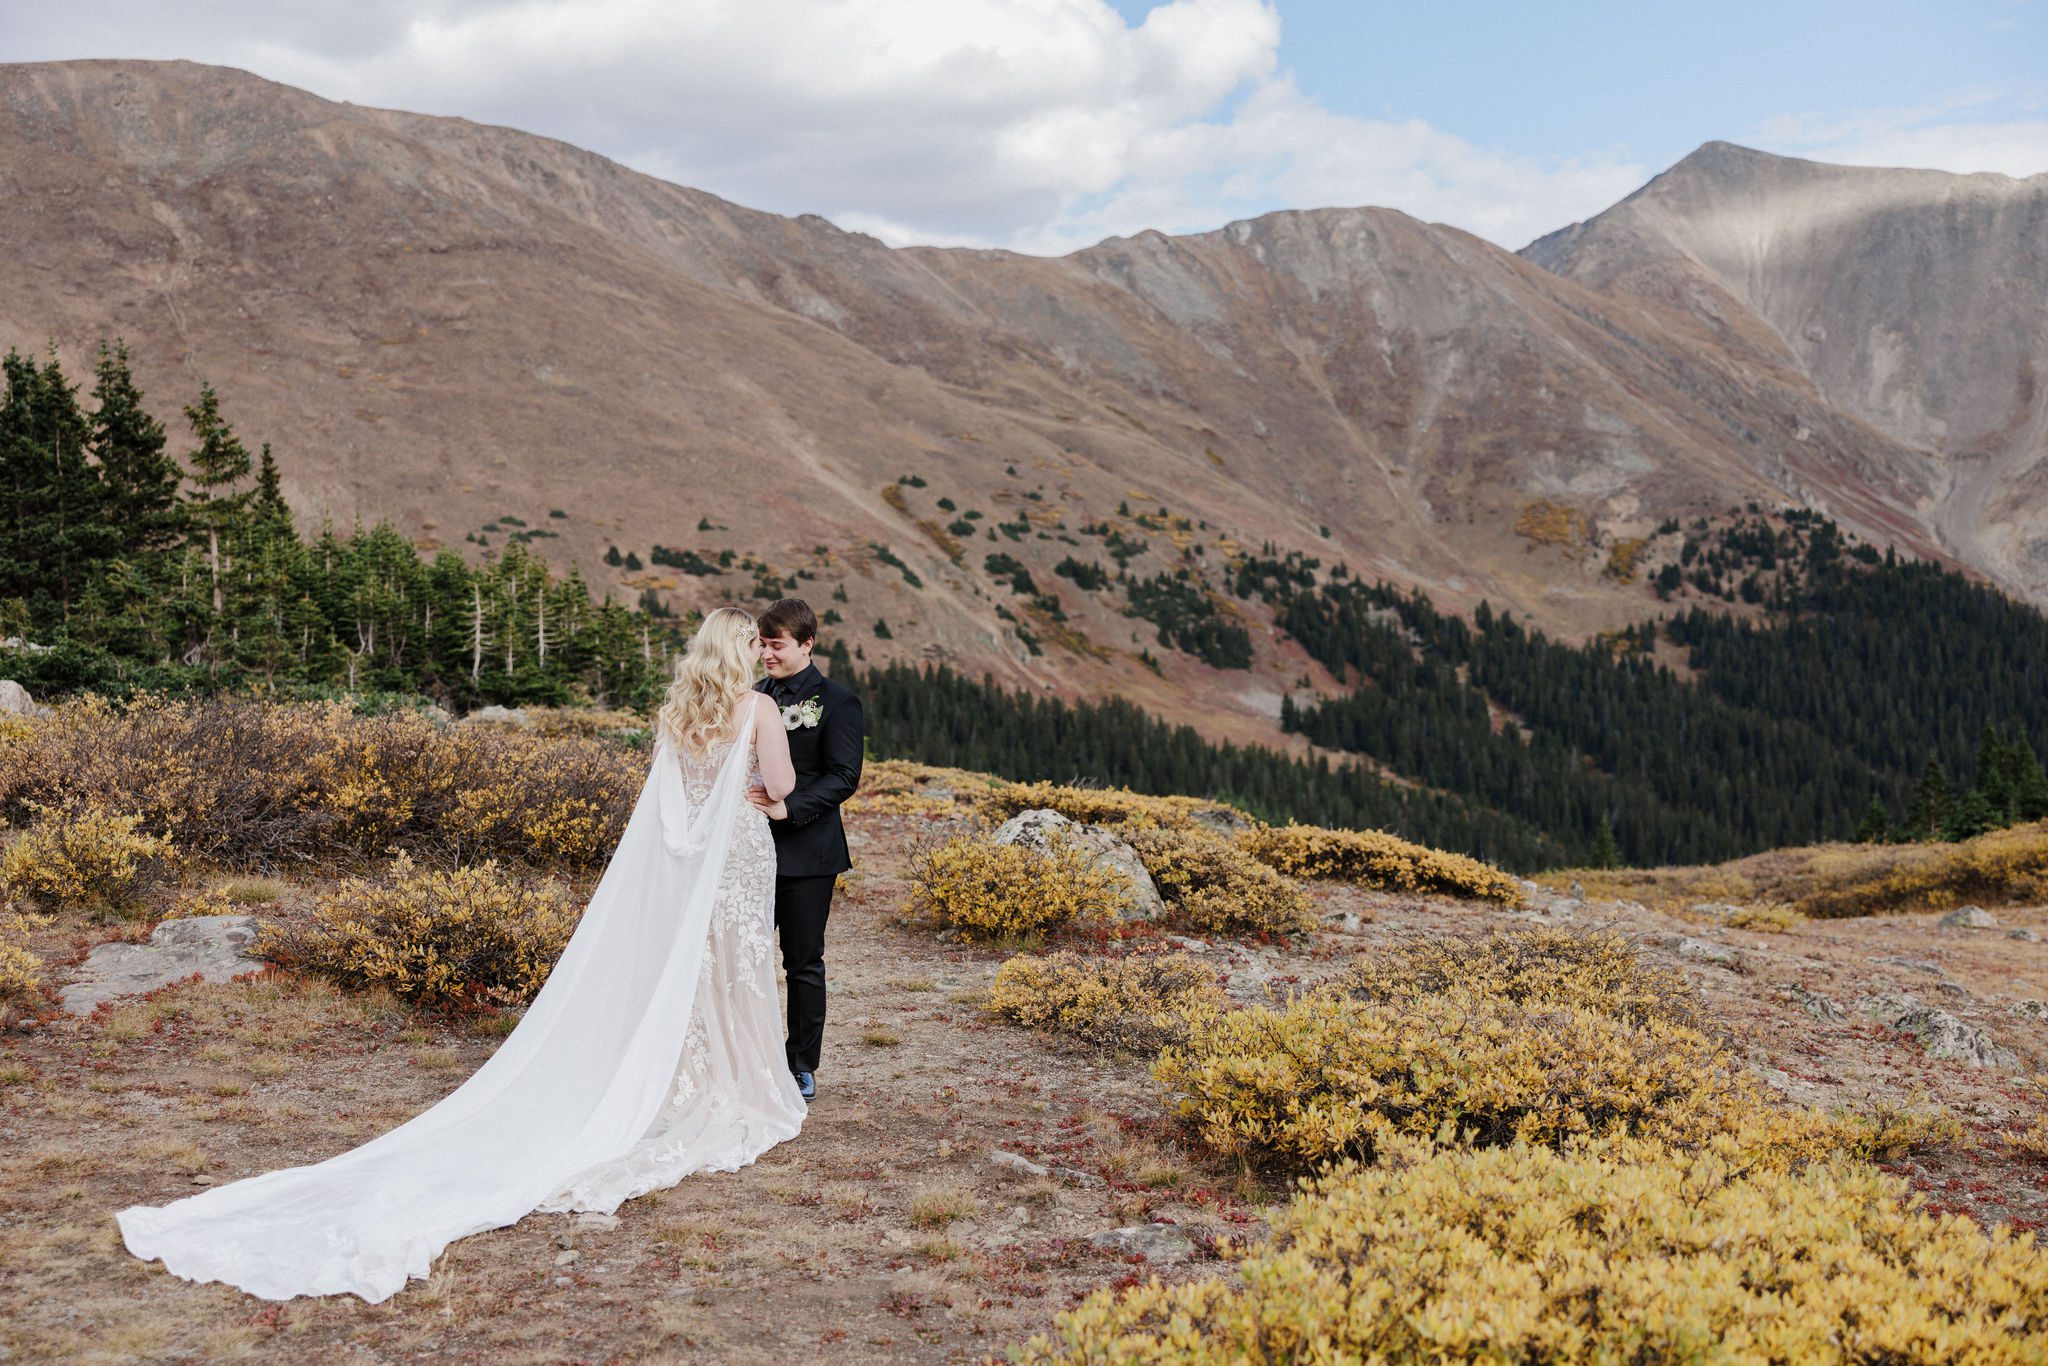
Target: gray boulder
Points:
x,y
504,716
1224,820
1161,1243
1717,955
1941,1034
214,946
1969,918
15,701
1038,829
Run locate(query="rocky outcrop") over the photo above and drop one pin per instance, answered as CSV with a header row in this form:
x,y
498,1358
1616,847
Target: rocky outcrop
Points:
x,y
214,946
1941,1034
1039,828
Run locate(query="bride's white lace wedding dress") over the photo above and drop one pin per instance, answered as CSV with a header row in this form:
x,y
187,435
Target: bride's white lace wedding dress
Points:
x,y
653,1050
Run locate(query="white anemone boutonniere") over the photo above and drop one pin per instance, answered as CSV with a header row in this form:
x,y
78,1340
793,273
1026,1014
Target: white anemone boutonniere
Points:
x,y
803,714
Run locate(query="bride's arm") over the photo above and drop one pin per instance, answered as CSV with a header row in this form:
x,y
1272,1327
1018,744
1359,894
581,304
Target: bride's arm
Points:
x,y
771,749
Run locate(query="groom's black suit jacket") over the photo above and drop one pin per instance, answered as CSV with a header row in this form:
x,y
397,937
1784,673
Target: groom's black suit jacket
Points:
x,y
811,841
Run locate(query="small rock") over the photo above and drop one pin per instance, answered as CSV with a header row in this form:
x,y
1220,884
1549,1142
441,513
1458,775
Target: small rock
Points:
x,y
1017,1217
1720,955
1969,918
2033,1010
565,1258
505,716
202,1180
1577,891
1956,989
598,1223
2022,933
1161,1243
1077,1176
1038,828
1820,1007
1916,964
1017,1162
1719,910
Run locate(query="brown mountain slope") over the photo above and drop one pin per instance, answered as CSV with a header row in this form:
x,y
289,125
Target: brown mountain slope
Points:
x,y
1917,300
450,324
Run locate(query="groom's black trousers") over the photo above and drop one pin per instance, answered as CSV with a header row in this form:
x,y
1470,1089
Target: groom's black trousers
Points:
x,y
801,905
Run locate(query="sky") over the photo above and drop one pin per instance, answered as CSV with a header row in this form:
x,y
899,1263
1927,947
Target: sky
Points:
x,y
1046,125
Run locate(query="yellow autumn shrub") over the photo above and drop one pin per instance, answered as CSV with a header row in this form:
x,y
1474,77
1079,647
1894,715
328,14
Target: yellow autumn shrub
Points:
x,y
1212,885
2030,1139
2030,1142
1327,1076
1592,970
981,888
1770,918
271,784
1617,1252
21,970
1374,858
440,939
1117,806
84,857
2004,867
1139,1001
1886,1129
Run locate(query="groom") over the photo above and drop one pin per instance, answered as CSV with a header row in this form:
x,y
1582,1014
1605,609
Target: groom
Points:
x,y
826,735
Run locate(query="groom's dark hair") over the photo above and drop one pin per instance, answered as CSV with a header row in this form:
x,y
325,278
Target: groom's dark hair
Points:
x,y
790,617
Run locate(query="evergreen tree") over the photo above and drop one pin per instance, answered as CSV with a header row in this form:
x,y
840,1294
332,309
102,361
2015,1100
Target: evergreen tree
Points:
x,y
53,528
2030,784
1876,826
268,501
1995,777
1931,800
217,466
1971,816
1606,853
140,477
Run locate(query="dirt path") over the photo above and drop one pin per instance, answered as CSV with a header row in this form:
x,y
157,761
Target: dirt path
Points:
x,y
888,1231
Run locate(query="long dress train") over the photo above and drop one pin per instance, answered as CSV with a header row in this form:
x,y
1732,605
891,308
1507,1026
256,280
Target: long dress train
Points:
x,y
653,1050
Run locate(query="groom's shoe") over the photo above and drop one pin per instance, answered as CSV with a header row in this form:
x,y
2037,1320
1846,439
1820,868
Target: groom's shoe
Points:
x,y
807,1087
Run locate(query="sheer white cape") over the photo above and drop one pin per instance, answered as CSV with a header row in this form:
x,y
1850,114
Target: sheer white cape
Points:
x,y
566,1114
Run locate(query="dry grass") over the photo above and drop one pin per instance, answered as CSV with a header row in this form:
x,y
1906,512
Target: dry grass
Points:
x,y
939,1207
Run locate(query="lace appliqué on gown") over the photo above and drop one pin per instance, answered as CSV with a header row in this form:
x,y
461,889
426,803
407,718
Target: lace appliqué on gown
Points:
x,y
732,1097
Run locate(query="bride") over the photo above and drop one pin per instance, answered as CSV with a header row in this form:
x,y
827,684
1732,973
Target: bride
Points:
x,y
653,1050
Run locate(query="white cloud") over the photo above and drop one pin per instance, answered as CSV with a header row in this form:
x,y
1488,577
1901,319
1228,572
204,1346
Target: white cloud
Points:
x,y
1996,129
1041,125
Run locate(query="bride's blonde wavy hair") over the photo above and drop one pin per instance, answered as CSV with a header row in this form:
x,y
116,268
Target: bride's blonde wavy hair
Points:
x,y
712,675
